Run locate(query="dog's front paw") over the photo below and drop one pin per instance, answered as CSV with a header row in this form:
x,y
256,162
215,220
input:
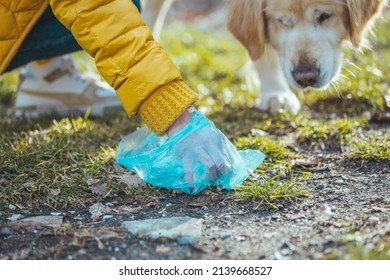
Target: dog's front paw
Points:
x,y
278,101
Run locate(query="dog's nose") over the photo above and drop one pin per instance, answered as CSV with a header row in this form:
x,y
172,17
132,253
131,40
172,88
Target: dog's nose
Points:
x,y
306,76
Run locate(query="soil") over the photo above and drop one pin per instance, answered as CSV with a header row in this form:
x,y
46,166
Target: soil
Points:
x,y
348,202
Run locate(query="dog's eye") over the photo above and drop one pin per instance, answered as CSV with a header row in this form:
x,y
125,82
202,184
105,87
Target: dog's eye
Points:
x,y
324,17
285,23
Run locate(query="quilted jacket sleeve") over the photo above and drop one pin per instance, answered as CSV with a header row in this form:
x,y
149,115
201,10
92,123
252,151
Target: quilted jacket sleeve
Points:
x,y
145,78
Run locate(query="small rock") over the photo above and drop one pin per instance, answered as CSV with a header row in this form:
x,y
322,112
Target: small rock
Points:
x,y
12,207
187,240
339,182
5,231
228,217
55,214
172,228
14,217
81,252
224,234
107,217
374,220
143,243
25,212
163,249
285,252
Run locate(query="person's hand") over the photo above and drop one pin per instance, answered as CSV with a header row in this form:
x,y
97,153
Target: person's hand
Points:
x,y
194,155
201,152
181,122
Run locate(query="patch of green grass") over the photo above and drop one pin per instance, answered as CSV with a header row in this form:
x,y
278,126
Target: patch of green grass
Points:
x,y
53,166
358,251
315,130
371,147
270,147
271,190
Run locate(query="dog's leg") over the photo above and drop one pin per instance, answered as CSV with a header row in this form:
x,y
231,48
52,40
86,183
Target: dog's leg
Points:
x,y
154,13
275,93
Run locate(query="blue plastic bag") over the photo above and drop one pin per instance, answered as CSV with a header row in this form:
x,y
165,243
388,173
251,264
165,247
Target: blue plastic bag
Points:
x,y
197,156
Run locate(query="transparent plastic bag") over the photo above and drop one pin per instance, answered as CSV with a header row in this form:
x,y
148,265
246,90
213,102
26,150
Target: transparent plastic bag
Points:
x,y
197,156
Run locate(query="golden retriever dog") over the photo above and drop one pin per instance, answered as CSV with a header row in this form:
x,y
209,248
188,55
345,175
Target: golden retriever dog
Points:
x,y
293,43
298,43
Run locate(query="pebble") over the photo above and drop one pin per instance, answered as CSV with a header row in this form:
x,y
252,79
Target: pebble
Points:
x,y
224,234
143,243
55,214
285,252
82,252
12,207
14,217
116,249
187,240
228,217
374,220
5,231
107,217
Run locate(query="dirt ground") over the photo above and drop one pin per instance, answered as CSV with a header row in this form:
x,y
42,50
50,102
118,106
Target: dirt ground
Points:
x,y
346,215
348,203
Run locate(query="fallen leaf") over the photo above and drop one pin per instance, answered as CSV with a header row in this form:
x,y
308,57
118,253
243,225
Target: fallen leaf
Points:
x,y
132,210
37,222
97,210
98,187
130,180
55,192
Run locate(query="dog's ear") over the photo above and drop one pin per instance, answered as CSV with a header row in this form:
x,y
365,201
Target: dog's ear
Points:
x,y
361,15
246,22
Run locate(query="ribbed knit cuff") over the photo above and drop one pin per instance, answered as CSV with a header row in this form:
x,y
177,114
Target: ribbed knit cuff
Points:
x,y
165,105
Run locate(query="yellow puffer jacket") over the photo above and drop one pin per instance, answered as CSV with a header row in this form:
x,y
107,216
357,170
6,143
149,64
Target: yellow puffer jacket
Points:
x,y
113,33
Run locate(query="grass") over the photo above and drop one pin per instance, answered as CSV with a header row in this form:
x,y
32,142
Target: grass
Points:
x,y
270,147
380,250
316,130
50,162
370,148
52,166
278,188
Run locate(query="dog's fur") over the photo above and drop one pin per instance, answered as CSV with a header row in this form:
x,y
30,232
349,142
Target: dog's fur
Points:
x,y
295,43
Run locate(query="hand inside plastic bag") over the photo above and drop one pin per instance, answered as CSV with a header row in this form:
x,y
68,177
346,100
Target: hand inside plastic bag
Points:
x,y
197,156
